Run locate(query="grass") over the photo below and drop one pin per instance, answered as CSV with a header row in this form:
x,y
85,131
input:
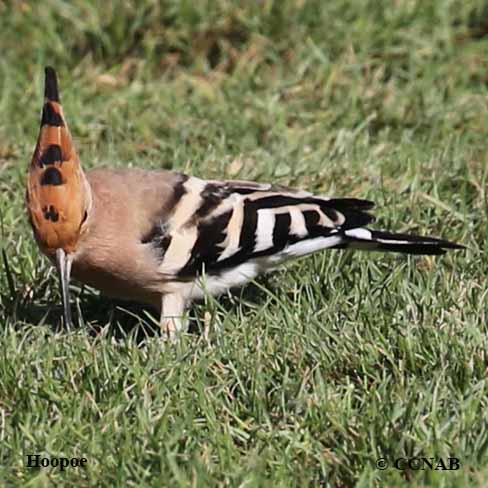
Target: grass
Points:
x,y
314,372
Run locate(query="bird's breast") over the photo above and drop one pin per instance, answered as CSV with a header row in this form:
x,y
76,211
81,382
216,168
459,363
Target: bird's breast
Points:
x,y
119,270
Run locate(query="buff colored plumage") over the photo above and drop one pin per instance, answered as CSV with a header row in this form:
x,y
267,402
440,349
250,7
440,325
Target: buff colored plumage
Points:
x,y
166,239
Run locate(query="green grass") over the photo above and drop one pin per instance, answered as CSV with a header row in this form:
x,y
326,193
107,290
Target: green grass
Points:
x,y
312,373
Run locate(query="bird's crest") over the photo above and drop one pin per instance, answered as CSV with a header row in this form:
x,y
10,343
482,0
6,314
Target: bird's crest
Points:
x,y
57,190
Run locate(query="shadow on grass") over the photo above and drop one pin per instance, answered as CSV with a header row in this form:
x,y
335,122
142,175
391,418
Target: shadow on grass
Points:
x,y
100,314
96,313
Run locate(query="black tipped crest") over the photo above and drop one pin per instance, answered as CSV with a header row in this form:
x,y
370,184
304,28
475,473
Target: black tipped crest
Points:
x,y
52,176
51,117
51,85
50,213
51,155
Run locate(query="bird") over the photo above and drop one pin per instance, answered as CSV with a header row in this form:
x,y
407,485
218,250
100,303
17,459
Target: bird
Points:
x,y
166,239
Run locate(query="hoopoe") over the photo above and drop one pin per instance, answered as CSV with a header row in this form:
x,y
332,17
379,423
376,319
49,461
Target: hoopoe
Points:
x,y
165,239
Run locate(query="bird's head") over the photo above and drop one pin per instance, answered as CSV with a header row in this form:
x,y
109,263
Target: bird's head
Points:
x,y
58,196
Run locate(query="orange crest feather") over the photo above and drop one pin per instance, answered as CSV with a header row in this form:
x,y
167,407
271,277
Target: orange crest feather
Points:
x,y
56,185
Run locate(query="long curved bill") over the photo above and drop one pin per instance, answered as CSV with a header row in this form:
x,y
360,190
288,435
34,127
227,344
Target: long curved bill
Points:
x,y
63,264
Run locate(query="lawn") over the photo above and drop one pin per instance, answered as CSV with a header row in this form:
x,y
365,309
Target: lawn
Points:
x,y
311,374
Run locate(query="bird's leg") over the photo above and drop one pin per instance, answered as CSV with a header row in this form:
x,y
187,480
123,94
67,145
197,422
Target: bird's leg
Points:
x,y
172,320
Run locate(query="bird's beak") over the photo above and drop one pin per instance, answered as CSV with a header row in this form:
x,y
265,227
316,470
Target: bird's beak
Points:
x,y
63,263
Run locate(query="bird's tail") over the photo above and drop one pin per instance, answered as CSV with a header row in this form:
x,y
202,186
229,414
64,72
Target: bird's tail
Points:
x,y
378,240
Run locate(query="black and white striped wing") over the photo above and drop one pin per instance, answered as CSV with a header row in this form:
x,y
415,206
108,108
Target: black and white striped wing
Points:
x,y
219,226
